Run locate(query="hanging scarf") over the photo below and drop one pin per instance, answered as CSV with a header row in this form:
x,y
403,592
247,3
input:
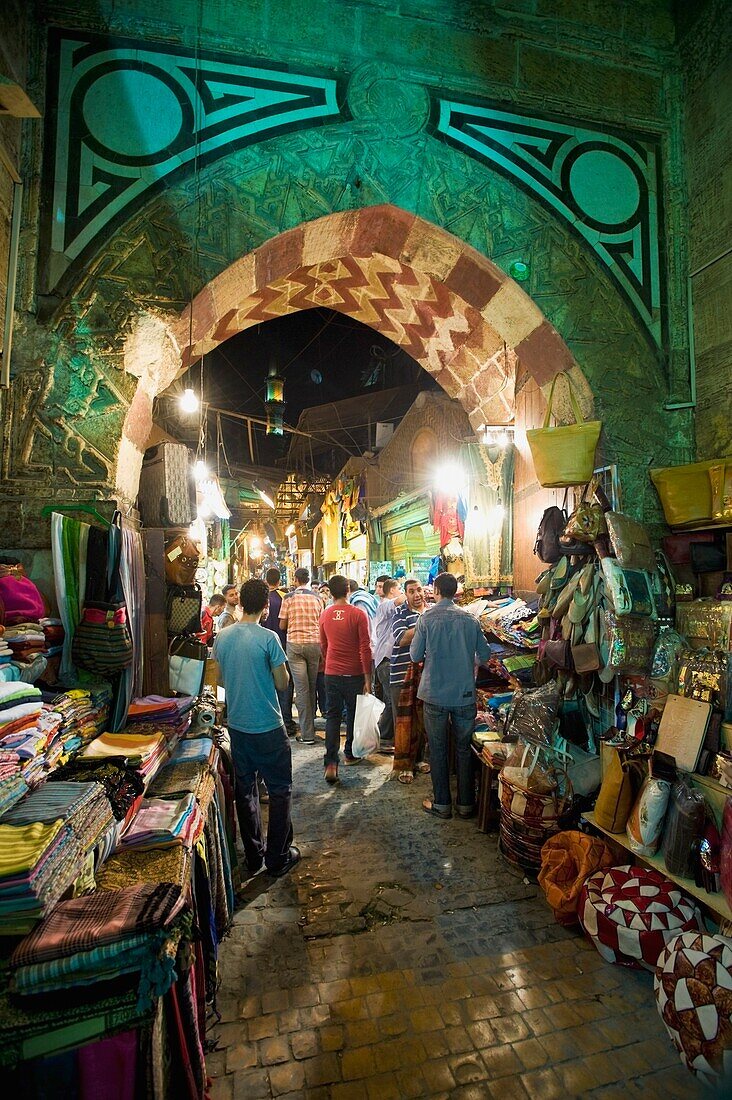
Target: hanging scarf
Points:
x,y
409,731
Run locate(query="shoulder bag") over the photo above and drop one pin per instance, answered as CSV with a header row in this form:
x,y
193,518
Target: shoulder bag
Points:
x,y
564,455
102,643
630,542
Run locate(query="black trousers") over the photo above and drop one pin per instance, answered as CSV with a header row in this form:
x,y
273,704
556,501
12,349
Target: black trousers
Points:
x,y
269,755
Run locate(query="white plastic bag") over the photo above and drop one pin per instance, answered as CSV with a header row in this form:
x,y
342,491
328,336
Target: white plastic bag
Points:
x,y
366,725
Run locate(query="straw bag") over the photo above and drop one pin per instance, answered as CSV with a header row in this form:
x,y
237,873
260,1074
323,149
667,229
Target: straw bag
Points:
x,y
564,455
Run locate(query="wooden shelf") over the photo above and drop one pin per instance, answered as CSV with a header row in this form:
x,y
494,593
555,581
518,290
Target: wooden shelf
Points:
x,y
715,903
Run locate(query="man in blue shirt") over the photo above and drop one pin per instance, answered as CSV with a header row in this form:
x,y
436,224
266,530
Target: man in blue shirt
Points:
x,y
449,640
361,597
253,670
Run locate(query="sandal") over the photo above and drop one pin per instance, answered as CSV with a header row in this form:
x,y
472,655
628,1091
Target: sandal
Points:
x,y
423,768
429,808
405,777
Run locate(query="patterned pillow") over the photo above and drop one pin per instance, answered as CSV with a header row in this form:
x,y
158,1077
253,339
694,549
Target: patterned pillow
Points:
x,y
694,997
630,913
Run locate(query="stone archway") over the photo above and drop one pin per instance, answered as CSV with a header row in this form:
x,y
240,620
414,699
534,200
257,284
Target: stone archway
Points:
x,y
443,302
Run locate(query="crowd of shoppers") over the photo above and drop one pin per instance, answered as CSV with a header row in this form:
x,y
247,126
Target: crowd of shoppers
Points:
x,y
340,641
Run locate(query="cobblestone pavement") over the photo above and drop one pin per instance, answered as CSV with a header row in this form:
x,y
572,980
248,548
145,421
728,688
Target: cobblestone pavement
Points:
x,y
402,958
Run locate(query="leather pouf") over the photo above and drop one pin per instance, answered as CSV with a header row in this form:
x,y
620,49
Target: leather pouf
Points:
x,y
630,913
694,997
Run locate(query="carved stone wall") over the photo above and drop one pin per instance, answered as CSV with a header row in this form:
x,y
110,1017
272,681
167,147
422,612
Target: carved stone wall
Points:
x,y
424,130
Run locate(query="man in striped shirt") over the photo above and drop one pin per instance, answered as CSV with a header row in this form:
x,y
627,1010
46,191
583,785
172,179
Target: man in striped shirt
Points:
x,y
403,626
299,617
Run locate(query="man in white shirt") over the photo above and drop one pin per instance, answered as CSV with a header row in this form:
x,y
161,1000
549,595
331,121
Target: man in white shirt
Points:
x,y
382,644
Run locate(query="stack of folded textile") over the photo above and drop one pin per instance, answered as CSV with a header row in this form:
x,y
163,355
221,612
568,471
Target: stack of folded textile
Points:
x,y
102,936
196,750
84,712
53,634
19,703
12,784
146,752
512,620
26,640
37,743
178,779
160,823
171,716
44,842
6,653
121,782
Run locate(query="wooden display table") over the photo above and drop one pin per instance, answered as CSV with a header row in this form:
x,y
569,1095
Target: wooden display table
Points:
x,y
716,904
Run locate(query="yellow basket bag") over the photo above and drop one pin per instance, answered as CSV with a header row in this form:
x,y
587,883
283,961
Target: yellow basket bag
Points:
x,y
686,492
564,455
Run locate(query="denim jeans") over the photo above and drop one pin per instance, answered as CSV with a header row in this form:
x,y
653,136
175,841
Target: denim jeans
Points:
x,y
340,691
267,754
320,695
387,721
304,658
462,721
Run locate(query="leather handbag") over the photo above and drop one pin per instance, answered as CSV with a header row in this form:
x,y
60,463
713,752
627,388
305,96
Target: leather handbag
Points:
x,y
187,666
720,476
630,542
183,611
564,455
182,556
616,797
558,652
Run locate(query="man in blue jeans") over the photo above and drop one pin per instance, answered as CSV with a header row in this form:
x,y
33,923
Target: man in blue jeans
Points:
x,y
448,639
253,670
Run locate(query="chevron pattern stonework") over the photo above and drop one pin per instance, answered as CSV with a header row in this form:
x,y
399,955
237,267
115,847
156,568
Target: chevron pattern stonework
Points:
x,y
445,304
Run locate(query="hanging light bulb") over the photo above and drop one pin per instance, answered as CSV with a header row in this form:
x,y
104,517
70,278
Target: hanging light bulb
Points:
x,y
200,471
188,401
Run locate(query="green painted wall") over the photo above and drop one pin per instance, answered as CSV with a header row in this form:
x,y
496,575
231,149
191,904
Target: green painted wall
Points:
x,y
613,66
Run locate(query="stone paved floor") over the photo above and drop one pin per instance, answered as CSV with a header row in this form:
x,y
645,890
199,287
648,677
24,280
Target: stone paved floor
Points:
x,y
403,959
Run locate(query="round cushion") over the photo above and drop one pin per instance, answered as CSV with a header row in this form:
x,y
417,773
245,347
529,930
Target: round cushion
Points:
x,y
630,913
694,997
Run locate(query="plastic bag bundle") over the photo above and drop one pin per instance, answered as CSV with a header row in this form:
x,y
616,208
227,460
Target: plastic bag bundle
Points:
x,y
533,714
666,652
526,769
366,725
645,824
684,823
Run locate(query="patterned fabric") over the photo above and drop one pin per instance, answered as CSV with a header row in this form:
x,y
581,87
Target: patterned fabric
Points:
x,y
630,914
693,988
409,727
567,859
156,866
85,923
300,615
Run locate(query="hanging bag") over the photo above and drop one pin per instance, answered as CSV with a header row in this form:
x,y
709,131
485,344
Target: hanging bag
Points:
x,y
630,542
564,455
183,609
102,643
187,665
585,525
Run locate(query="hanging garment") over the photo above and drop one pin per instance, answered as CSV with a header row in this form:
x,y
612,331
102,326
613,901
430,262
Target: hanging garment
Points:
x,y
69,540
445,518
487,545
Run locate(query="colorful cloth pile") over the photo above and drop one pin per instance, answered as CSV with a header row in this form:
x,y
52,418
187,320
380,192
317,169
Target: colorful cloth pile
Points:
x,y
26,640
170,716
6,653
44,843
160,823
53,634
122,784
145,752
100,937
513,621
12,784
196,750
84,712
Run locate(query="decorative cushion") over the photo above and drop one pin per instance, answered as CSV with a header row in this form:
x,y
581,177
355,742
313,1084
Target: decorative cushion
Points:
x,y
694,998
630,913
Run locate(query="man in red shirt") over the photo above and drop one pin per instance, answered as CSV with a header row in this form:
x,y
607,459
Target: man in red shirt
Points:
x,y
346,644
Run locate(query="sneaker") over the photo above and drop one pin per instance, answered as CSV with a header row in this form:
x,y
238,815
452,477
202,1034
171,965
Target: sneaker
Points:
x,y
293,857
305,740
349,761
331,773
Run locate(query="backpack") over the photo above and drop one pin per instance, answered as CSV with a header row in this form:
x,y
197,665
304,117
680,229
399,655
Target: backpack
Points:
x,y
552,525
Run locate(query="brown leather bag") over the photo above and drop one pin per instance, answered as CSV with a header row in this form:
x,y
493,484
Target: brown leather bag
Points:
x,y
182,556
630,542
587,521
